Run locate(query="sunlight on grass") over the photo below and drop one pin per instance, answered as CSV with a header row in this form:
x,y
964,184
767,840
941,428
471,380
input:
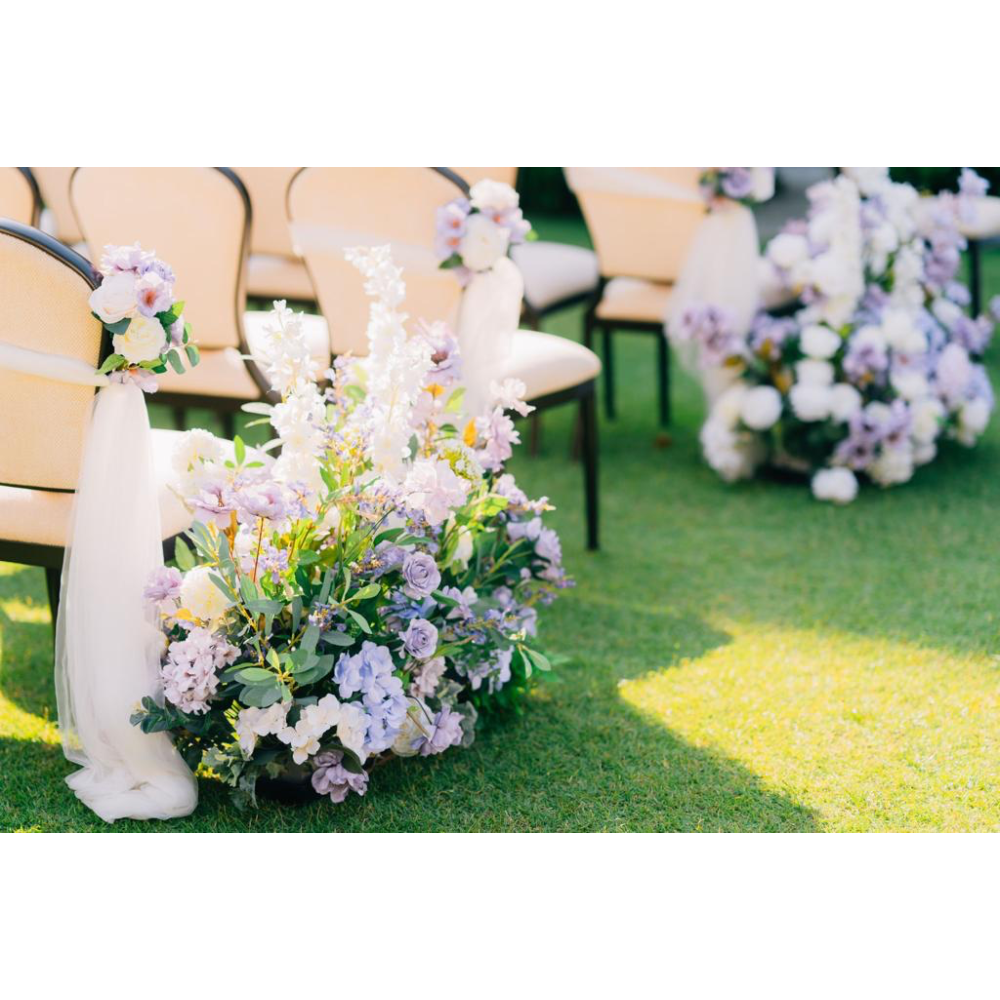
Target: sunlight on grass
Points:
x,y
869,733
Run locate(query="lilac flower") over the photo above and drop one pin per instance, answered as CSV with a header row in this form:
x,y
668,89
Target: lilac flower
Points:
x,y
973,334
153,294
737,182
115,260
428,676
464,600
865,363
971,185
499,434
450,222
548,546
330,777
768,335
214,505
189,674
958,293
164,585
160,267
386,709
421,575
420,639
274,561
711,329
444,731
368,671
266,500
177,331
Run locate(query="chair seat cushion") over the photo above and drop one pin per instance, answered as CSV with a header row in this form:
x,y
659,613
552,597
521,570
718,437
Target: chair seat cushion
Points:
x,y
274,276
38,517
985,224
555,272
315,328
547,363
220,372
634,300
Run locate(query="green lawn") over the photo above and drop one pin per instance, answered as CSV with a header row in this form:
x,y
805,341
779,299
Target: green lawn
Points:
x,y
745,658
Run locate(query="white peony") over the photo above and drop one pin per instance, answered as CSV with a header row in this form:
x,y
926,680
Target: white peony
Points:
x,y
836,485
761,407
901,333
201,597
814,372
144,340
732,455
727,408
910,383
868,336
787,250
493,196
893,465
926,416
114,300
972,420
484,243
811,401
820,342
845,401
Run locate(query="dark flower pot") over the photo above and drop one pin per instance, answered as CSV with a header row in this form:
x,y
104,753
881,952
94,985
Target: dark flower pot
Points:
x,y
291,788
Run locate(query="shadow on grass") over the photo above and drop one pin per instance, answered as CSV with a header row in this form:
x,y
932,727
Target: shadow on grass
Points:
x,y
27,661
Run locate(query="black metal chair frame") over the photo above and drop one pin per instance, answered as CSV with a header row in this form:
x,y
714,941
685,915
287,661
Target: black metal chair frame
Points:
x,y
50,557
36,194
592,324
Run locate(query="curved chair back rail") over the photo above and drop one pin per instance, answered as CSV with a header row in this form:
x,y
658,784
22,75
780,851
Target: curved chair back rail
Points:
x,y
330,208
268,191
53,182
19,198
472,175
195,218
636,235
44,287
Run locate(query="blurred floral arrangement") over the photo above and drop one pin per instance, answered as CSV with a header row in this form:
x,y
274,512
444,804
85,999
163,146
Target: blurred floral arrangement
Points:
x,y
746,185
371,591
473,233
880,359
135,302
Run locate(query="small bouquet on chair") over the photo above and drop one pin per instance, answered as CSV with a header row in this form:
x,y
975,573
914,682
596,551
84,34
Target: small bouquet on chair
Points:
x,y
135,302
745,185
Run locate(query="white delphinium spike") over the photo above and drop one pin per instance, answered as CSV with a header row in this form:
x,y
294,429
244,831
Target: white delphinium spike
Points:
x,y
284,351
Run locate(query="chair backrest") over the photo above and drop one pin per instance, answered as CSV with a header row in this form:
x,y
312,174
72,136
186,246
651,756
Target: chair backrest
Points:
x,y
54,185
268,190
197,219
331,208
473,174
44,288
639,235
19,199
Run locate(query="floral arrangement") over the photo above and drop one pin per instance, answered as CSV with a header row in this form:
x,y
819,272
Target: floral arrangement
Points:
x,y
746,185
474,233
880,359
135,302
371,591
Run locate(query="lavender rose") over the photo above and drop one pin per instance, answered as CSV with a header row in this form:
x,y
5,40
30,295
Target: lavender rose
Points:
x,y
333,779
421,575
420,639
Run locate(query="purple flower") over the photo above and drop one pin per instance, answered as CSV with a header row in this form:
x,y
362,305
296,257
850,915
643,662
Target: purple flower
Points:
x,y
971,185
445,731
737,182
153,295
421,575
266,500
177,331
500,435
117,259
330,777
164,585
420,639
450,221
214,505
865,363
368,671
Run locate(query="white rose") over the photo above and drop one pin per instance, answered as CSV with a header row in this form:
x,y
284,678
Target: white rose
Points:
x,y
909,383
926,417
845,401
894,465
114,300
484,243
810,401
901,333
761,407
493,196
144,340
820,342
201,596
814,372
788,249
836,485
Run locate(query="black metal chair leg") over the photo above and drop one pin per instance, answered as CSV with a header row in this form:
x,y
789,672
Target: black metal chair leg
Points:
x,y
228,418
180,418
588,423
664,374
53,583
975,277
609,374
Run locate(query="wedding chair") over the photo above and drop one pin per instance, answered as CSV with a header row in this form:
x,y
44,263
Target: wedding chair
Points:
x,y
199,219
44,287
983,231
274,270
642,221
57,217
556,275
19,199
334,208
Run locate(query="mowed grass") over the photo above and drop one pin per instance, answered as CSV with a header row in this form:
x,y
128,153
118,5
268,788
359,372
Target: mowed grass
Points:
x,y
744,658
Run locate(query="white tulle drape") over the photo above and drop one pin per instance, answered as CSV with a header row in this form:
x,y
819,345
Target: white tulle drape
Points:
x,y
107,643
487,321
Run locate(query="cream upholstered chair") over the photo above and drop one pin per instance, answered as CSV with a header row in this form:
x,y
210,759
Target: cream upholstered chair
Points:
x,y
983,230
641,242
57,217
556,275
44,287
274,270
398,205
197,219
19,199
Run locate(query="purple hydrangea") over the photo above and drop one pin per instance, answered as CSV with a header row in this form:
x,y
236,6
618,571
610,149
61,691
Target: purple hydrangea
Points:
x,y
444,731
368,671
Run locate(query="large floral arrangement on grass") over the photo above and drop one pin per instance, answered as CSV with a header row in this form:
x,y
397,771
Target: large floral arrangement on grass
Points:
x,y
372,590
879,359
